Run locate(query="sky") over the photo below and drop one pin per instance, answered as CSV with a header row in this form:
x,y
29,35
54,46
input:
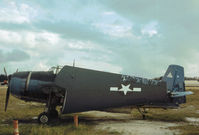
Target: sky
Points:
x,y
133,37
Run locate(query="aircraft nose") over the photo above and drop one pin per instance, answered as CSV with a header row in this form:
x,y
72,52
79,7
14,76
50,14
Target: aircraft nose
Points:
x,y
17,83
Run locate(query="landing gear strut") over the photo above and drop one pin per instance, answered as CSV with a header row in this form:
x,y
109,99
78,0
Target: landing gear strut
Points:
x,y
142,112
50,112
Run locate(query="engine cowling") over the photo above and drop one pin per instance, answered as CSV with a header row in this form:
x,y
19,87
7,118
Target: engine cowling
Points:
x,y
29,85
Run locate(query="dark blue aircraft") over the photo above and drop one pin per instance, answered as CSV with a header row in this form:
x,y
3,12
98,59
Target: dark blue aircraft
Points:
x,y
77,90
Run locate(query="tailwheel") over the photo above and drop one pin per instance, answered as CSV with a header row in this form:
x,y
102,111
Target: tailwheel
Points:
x,y
44,118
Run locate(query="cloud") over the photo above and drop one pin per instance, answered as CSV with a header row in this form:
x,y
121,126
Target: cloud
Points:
x,y
28,39
80,45
150,29
47,49
13,56
118,31
99,65
173,28
108,13
9,37
133,37
17,13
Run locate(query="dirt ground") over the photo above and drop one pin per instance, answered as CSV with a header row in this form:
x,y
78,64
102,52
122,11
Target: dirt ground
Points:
x,y
125,125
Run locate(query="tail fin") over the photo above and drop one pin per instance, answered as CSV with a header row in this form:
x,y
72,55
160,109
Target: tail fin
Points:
x,y
174,77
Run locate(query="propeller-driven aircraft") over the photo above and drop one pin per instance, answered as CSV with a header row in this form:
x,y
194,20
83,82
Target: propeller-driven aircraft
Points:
x,y
77,89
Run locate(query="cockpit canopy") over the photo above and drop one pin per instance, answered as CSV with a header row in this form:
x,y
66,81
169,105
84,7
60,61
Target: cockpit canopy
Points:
x,y
56,69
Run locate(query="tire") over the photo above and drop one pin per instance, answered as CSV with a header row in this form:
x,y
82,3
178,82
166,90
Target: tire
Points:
x,y
44,118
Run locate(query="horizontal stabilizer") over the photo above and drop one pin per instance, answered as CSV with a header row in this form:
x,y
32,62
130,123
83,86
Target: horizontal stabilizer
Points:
x,y
181,94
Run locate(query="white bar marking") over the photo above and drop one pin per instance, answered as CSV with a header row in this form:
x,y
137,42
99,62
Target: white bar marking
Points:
x,y
137,89
113,88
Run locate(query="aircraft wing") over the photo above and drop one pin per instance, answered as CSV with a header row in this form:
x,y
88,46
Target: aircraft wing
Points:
x,y
92,90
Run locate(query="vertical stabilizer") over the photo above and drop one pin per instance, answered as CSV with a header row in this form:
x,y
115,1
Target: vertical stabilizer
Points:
x,y
174,77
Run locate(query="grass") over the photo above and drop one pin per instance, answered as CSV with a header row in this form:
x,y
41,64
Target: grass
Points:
x,y
188,129
69,129
24,112
17,109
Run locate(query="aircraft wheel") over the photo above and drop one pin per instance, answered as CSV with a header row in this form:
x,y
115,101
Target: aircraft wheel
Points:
x,y
43,118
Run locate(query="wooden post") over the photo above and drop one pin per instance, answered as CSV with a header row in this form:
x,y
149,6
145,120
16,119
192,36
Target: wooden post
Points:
x,y
16,130
76,120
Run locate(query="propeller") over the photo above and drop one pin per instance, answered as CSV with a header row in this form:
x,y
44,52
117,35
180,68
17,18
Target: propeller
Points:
x,y
74,63
7,98
8,89
6,75
5,72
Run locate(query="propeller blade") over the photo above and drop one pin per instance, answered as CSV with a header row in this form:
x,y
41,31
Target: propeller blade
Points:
x,y
7,98
74,63
5,72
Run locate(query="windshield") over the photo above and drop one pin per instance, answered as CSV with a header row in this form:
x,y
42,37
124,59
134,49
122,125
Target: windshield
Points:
x,y
56,69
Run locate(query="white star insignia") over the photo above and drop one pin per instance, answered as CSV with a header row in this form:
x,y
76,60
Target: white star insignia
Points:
x,y
125,89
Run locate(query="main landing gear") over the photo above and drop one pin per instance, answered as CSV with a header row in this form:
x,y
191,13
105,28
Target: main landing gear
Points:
x,y
50,113
45,117
143,112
